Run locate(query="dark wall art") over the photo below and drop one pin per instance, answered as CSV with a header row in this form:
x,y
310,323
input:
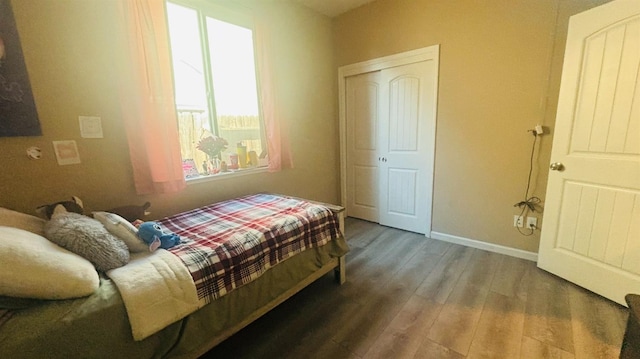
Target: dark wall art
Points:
x,y
18,115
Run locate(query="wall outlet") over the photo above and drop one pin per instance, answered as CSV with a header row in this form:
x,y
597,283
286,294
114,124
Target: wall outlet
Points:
x,y
539,130
518,221
532,222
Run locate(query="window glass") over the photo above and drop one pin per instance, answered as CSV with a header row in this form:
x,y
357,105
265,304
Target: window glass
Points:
x,y
216,93
234,82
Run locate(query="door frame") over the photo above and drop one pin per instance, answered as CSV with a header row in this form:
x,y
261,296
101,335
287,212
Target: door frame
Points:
x,y
430,53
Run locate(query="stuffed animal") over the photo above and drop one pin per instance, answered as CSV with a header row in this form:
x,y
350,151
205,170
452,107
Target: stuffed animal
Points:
x,y
132,212
151,233
75,206
86,237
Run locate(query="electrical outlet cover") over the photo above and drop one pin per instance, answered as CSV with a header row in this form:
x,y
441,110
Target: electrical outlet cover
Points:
x,y
539,130
518,221
532,222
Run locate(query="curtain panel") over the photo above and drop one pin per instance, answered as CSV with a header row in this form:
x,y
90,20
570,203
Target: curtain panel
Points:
x,y
147,98
277,139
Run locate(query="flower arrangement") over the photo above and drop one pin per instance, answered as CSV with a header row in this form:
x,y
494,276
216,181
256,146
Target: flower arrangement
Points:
x,y
212,145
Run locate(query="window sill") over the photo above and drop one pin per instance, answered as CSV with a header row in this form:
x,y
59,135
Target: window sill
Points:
x,y
228,174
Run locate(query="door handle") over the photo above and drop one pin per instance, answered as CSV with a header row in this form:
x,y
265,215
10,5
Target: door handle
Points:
x,y
557,166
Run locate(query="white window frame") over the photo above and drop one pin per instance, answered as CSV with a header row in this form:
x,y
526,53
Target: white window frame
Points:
x,y
243,19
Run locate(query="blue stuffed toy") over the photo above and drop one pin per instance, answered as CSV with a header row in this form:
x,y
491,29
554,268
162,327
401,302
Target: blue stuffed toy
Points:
x,y
151,234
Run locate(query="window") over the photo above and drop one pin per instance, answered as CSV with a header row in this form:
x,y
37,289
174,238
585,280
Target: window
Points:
x,y
216,90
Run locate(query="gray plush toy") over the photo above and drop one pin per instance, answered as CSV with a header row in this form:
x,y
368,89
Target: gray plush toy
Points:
x,y
86,237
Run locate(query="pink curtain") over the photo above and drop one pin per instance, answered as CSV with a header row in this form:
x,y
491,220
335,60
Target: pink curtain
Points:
x,y
277,139
147,98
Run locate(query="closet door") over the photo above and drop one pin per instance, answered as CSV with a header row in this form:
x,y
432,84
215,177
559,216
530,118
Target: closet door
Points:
x,y
390,145
362,112
407,145
388,109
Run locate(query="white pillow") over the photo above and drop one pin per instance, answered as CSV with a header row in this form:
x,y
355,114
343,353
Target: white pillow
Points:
x,y
33,267
122,229
24,221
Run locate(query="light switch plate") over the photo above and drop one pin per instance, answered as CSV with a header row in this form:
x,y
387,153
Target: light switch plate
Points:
x,y
90,127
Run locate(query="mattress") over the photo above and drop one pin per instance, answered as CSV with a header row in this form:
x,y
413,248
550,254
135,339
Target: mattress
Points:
x,y
98,327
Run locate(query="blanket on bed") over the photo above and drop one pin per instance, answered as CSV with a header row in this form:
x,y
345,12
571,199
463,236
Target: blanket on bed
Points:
x,y
224,246
229,244
156,289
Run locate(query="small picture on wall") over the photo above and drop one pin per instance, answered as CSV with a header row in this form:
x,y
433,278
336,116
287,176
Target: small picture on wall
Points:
x,y
66,152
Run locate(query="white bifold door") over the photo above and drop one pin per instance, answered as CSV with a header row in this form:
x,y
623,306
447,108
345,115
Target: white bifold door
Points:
x,y
591,232
390,117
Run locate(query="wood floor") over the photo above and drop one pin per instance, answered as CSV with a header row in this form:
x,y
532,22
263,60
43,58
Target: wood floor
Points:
x,y
408,296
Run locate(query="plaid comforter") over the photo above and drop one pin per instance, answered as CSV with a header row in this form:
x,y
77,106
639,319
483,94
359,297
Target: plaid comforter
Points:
x,y
228,244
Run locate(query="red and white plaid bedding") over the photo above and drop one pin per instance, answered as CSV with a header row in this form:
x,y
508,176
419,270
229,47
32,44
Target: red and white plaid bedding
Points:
x,y
228,244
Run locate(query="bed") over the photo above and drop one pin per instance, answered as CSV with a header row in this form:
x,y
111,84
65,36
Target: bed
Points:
x,y
100,325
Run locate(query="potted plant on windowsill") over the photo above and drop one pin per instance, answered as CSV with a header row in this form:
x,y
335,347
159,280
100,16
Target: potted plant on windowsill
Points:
x,y
212,146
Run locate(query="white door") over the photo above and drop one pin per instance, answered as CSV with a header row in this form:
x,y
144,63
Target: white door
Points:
x,y
407,142
390,145
591,232
363,98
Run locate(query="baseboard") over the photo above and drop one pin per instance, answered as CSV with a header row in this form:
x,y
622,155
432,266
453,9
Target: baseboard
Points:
x,y
513,252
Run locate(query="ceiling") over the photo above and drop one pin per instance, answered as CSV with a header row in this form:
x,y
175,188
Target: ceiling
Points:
x,y
333,8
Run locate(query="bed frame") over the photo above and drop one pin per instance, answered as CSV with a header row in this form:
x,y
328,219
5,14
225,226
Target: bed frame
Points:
x,y
337,265
97,325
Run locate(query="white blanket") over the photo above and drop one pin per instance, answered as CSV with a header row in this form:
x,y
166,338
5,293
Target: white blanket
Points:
x,y
157,290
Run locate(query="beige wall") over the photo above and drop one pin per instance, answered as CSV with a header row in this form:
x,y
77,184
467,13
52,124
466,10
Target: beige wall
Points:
x,y
499,76
69,52
500,65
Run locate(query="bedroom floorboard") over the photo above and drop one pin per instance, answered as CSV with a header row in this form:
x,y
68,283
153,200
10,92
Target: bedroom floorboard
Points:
x,y
408,296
